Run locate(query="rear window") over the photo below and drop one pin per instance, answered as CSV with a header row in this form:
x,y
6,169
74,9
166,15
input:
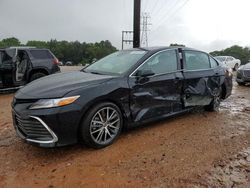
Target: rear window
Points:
x,y
196,60
41,54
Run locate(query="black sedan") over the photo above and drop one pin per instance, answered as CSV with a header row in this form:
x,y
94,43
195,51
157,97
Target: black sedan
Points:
x,y
243,74
124,89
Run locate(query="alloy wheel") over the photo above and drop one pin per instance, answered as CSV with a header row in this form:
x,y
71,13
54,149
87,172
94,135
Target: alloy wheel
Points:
x,y
105,125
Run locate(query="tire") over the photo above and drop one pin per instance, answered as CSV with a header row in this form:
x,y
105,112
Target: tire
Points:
x,y
215,103
236,66
36,76
98,132
241,83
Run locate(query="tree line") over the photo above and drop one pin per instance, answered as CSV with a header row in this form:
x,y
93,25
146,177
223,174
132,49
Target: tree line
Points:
x,y
76,52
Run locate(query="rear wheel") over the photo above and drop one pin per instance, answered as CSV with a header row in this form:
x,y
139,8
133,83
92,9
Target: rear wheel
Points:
x,y
215,103
102,125
241,83
36,76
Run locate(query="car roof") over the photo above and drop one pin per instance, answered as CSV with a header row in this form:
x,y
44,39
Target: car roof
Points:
x,y
159,48
23,48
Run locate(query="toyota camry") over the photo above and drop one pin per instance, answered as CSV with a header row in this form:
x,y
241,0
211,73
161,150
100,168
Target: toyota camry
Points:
x,y
122,90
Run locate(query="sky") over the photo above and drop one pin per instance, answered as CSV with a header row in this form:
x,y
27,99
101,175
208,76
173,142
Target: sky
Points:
x,y
203,24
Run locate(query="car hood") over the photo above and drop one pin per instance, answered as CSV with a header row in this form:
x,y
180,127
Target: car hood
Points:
x,y
58,85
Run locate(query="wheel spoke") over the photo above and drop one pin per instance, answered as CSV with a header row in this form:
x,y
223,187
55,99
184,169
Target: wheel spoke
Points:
x,y
100,139
100,116
112,123
113,127
95,131
112,116
99,135
107,114
108,132
105,135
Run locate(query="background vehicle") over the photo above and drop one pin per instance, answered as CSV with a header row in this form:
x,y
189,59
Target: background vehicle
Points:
x,y
20,65
243,74
126,88
68,63
230,61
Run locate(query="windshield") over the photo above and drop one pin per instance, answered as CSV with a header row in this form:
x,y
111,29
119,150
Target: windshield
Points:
x,y
220,58
117,63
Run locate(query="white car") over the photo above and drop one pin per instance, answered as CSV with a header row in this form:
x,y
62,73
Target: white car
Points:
x,y
229,61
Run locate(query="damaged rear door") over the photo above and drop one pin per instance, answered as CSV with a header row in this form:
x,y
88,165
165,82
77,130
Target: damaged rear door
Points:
x,y
202,80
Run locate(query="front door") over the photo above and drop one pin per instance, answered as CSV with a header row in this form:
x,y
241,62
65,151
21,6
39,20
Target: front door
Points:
x,y
159,93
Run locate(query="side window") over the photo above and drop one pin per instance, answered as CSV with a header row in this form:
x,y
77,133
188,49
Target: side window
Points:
x,y
213,62
161,63
196,60
41,54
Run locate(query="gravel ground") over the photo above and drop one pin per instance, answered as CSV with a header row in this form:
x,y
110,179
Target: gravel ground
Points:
x,y
197,149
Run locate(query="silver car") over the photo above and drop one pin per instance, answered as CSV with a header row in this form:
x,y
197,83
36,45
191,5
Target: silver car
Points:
x,y
243,74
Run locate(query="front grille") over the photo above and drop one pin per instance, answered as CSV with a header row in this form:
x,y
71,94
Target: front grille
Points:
x,y
32,129
247,73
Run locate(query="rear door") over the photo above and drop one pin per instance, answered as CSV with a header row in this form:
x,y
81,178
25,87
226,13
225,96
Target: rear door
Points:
x,y
159,94
202,78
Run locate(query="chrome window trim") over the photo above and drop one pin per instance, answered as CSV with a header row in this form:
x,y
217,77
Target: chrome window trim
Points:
x,y
131,75
186,70
55,138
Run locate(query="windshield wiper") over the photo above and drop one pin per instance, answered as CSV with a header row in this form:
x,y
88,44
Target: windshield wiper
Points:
x,y
93,72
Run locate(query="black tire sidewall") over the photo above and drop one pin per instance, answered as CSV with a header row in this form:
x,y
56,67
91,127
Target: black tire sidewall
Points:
x,y
212,107
36,76
85,125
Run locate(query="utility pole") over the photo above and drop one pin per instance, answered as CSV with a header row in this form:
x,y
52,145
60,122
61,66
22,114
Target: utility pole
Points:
x,y
137,15
144,33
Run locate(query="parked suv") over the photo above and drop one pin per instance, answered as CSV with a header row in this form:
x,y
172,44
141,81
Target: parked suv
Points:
x,y
21,65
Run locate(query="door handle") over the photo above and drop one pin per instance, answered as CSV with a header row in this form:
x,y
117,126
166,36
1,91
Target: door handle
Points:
x,y
177,79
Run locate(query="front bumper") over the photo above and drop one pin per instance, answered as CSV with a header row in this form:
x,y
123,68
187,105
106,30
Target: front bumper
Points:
x,y
47,127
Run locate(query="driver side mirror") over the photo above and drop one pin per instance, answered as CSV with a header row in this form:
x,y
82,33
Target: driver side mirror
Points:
x,y
144,73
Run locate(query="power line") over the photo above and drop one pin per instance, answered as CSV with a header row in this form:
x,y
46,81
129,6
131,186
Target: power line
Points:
x,y
171,7
173,13
170,15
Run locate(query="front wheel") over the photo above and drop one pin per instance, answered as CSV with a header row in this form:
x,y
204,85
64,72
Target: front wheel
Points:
x,y
102,125
215,103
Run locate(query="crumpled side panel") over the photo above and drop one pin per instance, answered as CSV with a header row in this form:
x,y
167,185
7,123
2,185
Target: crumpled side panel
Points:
x,y
201,91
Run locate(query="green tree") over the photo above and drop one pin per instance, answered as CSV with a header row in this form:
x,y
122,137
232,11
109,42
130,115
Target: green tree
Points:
x,y
8,42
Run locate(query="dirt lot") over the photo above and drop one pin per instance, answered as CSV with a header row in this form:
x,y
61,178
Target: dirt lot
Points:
x,y
198,149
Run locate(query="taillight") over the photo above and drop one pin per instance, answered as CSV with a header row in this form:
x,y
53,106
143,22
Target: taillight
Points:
x,y
55,61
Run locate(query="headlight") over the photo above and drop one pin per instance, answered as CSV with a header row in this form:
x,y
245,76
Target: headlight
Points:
x,y
51,103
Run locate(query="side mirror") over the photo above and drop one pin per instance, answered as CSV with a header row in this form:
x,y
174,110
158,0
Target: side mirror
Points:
x,y
144,73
